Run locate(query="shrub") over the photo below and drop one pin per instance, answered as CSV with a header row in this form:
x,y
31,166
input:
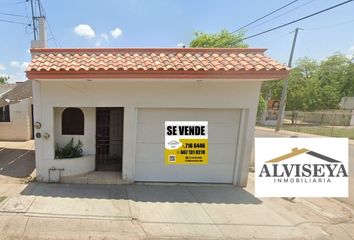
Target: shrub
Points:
x,y
69,150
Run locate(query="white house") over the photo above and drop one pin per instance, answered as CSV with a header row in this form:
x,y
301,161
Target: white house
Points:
x,y
116,101
16,112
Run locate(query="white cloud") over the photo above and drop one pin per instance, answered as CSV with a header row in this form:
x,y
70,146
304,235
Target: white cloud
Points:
x,y
101,39
105,36
2,67
117,32
351,48
24,65
84,30
180,45
15,64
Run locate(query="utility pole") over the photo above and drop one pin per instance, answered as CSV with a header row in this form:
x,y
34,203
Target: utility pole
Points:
x,y
37,13
33,21
285,88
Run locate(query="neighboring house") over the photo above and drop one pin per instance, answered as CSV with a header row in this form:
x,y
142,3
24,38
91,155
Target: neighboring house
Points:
x,y
116,101
16,112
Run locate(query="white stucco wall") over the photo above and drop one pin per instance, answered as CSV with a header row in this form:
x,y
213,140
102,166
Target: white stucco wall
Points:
x,y
71,166
134,94
20,126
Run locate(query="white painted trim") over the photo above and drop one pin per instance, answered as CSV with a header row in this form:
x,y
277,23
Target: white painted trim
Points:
x,y
134,133
240,146
38,116
129,139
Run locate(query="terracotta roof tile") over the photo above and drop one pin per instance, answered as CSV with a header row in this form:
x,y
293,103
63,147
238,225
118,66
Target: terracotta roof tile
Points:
x,y
171,60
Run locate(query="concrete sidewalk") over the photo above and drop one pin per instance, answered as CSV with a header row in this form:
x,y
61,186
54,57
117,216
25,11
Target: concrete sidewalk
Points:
x,y
69,211
17,163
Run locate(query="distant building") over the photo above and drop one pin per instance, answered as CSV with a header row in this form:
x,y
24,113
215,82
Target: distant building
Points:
x,y
16,112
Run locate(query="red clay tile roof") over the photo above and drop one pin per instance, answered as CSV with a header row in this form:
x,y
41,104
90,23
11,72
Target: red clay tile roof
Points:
x,y
238,63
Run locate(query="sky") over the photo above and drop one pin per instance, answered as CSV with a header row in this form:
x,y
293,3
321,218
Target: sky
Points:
x,y
171,23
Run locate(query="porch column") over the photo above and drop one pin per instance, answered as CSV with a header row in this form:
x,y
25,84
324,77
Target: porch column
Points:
x,y
37,114
129,140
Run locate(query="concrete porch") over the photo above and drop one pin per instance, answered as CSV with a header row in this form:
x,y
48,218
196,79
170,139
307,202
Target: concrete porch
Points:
x,y
96,177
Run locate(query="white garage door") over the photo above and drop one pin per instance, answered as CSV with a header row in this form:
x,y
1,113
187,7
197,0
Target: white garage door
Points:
x,y
223,127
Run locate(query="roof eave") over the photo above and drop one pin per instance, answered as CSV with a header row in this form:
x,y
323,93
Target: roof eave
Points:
x,y
112,50
236,75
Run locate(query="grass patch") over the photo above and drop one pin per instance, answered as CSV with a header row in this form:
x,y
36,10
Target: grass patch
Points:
x,y
322,130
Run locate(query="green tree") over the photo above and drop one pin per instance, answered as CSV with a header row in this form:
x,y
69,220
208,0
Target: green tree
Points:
x,y
312,95
315,86
312,85
347,87
261,106
300,76
223,39
4,79
337,72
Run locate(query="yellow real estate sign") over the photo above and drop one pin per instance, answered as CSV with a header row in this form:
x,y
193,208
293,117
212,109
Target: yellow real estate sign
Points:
x,y
186,142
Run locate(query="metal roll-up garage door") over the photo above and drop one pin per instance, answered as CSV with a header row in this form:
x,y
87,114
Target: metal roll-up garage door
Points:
x,y
223,127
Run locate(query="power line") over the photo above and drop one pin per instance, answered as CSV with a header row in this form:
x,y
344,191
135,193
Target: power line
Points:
x,y
43,12
28,18
268,14
297,20
12,15
33,21
56,42
15,22
13,3
330,26
40,7
280,15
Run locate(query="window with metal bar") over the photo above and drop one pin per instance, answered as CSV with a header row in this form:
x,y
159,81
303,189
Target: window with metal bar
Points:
x,y
5,114
72,122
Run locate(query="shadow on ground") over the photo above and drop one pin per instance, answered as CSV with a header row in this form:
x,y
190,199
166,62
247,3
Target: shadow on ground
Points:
x,y
145,193
17,163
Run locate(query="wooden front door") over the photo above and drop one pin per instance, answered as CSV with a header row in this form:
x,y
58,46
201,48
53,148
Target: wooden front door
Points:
x,y
109,139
